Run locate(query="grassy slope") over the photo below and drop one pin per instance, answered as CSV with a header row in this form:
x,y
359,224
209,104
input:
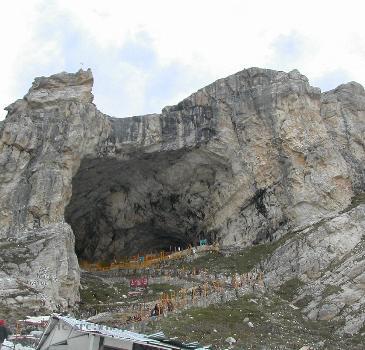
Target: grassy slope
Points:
x,y
276,324
241,262
98,295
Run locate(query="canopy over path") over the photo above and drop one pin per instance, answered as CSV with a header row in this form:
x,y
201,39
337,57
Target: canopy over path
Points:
x,y
148,260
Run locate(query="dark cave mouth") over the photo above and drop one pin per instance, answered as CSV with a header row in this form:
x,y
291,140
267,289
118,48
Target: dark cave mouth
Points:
x,y
122,208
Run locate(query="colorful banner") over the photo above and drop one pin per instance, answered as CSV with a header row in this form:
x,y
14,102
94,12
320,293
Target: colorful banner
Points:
x,y
141,282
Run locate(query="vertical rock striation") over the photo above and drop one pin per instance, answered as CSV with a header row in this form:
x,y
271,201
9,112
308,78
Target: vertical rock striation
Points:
x,y
240,161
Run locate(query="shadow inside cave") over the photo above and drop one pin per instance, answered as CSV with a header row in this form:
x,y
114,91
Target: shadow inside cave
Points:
x,y
153,202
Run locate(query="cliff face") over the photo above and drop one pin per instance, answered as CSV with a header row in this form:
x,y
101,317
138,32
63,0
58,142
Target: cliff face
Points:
x,y
328,259
241,161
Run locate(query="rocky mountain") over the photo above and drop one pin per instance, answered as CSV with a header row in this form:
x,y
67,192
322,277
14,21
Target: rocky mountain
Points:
x,y
245,160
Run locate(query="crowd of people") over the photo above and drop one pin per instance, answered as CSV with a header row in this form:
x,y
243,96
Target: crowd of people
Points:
x,y
254,280
208,282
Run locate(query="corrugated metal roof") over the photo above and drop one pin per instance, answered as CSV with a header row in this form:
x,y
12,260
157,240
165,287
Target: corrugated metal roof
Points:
x,y
158,339
89,327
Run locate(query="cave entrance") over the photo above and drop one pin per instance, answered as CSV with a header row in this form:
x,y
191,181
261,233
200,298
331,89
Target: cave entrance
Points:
x,y
160,201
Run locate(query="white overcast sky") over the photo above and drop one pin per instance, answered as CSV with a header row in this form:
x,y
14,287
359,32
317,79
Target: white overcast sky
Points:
x,y
146,54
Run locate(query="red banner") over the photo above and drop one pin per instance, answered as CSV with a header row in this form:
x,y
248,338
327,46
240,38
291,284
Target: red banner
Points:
x,y
138,282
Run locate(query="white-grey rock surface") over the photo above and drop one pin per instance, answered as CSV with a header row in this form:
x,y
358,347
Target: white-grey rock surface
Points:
x,y
242,161
39,269
329,259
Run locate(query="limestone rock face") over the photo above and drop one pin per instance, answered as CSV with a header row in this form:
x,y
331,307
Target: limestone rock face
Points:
x,y
329,258
40,269
61,87
343,111
240,161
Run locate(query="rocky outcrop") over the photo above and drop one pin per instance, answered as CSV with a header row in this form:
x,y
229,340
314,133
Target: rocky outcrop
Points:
x,y
39,269
329,260
343,111
241,161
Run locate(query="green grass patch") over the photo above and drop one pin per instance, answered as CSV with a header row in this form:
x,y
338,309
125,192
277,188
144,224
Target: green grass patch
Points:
x,y
162,288
331,289
288,289
275,325
94,291
241,262
304,302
